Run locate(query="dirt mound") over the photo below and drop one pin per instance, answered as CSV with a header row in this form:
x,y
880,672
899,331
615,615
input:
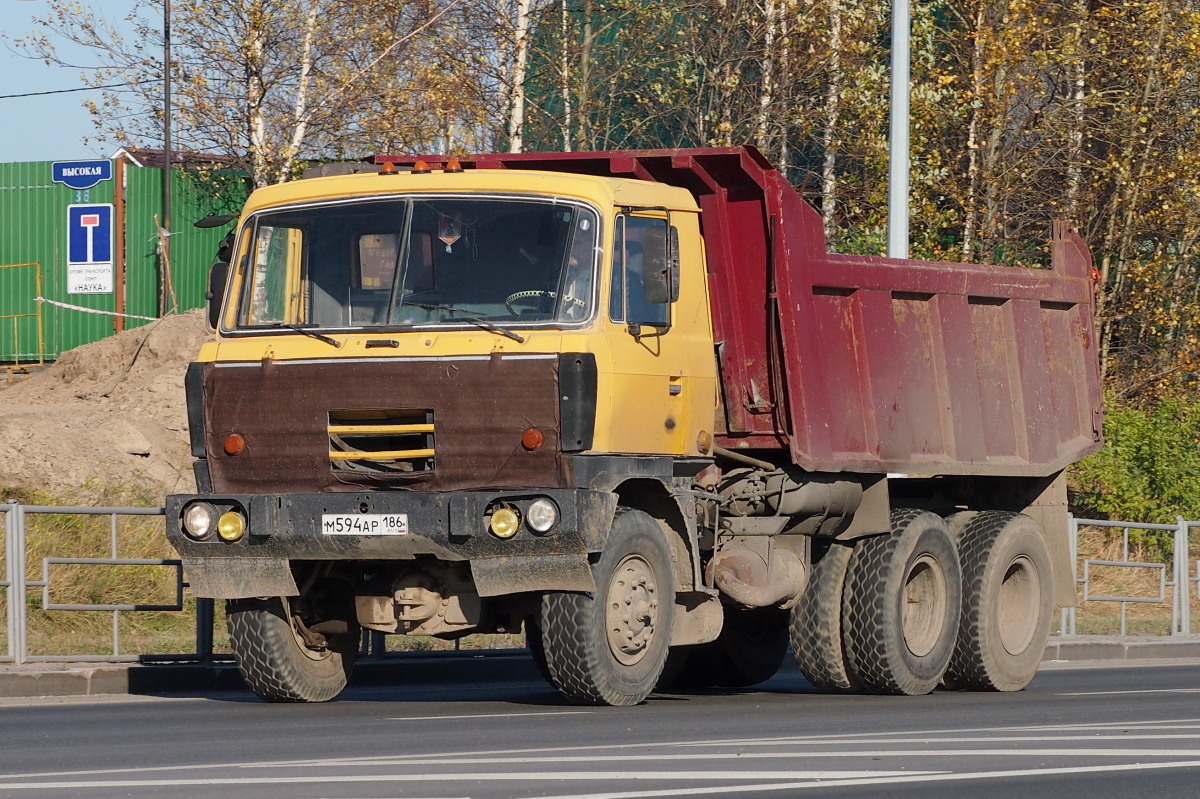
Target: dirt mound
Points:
x,y
109,413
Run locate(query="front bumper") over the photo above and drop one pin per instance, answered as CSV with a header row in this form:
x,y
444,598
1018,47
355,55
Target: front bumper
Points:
x,y
445,526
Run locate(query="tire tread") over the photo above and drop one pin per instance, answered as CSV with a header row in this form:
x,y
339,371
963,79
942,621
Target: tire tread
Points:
x,y
573,639
975,665
270,660
816,625
874,644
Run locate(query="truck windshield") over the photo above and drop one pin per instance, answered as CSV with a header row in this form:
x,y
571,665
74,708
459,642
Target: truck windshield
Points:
x,y
420,261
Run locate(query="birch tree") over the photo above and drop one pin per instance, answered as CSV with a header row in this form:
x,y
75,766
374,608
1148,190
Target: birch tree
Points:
x,y
260,82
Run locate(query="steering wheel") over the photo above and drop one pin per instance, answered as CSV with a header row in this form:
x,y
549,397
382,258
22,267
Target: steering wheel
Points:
x,y
527,295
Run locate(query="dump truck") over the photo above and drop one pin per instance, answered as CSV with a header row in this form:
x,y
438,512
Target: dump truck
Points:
x,y
628,403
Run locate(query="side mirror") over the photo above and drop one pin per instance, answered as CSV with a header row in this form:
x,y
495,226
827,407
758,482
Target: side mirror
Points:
x,y
218,275
660,267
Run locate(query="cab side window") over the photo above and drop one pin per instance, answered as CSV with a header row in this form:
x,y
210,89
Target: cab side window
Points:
x,y
273,290
639,249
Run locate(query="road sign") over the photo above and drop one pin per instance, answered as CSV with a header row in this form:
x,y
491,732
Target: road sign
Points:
x,y
90,249
80,175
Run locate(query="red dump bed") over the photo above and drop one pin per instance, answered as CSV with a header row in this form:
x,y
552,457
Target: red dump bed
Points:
x,y
873,364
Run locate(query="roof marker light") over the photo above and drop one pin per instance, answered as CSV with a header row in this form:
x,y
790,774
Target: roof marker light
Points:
x,y
421,168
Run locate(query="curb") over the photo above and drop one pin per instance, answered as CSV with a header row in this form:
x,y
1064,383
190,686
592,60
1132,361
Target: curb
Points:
x,y
1103,648
90,679
440,669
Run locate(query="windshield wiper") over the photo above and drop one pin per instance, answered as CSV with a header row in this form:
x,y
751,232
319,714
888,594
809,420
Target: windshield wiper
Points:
x,y
467,316
306,331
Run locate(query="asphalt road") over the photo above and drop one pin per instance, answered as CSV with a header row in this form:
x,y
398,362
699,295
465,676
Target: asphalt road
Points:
x,y
1078,731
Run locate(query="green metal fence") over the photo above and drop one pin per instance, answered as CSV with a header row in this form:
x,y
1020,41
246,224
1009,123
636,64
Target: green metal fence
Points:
x,y
33,230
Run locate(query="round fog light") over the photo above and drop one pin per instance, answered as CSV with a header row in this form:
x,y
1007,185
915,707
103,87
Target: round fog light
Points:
x,y
199,520
505,523
542,515
231,526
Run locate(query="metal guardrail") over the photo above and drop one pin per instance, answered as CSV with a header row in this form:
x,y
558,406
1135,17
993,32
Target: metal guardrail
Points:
x,y
16,585
1176,578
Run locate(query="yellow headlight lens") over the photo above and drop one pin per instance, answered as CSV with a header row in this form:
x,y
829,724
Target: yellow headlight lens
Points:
x,y
505,523
231,526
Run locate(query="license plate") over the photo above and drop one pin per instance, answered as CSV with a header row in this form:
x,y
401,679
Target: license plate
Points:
x,y
364,523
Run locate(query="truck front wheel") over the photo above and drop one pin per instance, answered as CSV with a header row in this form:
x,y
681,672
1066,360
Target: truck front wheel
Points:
x,y
900,607
283,661
608,648
1008,601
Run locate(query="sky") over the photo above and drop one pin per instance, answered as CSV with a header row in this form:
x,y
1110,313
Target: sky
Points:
x,y
48,127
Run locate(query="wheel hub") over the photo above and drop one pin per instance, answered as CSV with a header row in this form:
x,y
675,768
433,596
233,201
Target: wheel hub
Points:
x,y
925,602
1017,615
632,612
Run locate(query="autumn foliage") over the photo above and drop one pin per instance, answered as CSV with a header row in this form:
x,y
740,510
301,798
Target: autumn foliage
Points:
x,y
1022,111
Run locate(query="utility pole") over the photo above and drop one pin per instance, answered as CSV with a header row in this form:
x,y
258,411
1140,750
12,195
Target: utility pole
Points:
x,y
898,157
165,223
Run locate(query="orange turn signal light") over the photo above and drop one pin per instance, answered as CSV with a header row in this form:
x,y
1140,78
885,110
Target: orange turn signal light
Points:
x,y
532,438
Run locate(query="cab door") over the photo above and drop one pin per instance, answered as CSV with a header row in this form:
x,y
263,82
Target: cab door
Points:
x,y
657,326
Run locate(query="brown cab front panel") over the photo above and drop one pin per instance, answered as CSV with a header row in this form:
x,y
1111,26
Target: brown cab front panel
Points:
x,y
478,409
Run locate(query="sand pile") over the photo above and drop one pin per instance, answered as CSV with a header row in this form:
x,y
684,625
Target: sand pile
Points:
x,y
110,413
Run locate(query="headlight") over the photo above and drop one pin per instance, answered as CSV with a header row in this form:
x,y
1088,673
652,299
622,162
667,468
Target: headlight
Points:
x,y
542,515
199,520
231,526
504,523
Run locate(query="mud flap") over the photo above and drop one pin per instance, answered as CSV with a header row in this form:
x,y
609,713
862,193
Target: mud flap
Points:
x,y
239,578
518,574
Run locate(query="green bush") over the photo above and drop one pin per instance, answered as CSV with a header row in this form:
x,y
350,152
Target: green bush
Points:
x,y
1148,470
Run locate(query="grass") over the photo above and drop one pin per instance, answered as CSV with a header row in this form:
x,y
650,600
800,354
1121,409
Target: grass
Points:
x,y
90,633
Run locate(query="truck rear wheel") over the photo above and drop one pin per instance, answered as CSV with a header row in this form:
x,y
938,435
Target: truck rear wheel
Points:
x,y
274,658
686,669
1008,601
900,607
609,648
816,628
749,650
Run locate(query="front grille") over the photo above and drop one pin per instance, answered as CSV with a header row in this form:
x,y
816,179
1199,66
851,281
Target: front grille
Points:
x,y
382,441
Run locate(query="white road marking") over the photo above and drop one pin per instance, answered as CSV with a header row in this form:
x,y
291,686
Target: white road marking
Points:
x,y
960,740
912,734
796,780
1109,740
403,760
935,777
1089,725
825,777
1141,691
879,739
525,757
